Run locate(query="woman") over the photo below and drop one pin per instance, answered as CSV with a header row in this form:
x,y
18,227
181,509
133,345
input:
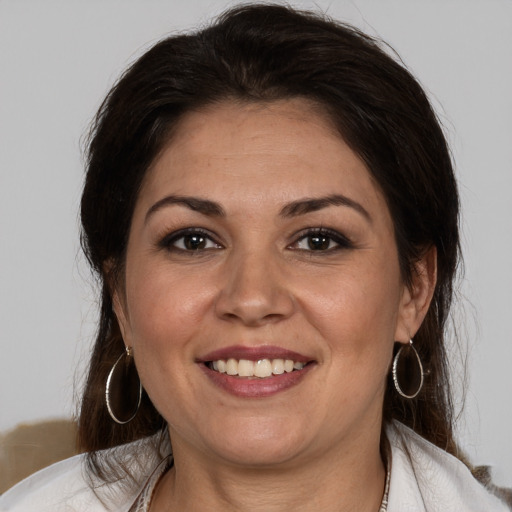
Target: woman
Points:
x,y
271,208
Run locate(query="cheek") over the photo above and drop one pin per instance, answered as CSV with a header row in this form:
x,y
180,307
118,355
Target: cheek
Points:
x,y
165,307
356,314
356,311
165,314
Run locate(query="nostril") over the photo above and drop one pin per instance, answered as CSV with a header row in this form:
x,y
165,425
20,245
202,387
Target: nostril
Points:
x,y
254,299
253,320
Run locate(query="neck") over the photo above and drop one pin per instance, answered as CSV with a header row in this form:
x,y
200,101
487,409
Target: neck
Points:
x,y
336,481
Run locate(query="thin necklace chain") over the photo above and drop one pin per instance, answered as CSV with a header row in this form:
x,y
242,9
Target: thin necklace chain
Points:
x,y
143,503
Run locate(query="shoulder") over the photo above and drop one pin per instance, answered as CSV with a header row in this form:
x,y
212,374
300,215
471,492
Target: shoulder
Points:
x,y
426,478
59,487
68,487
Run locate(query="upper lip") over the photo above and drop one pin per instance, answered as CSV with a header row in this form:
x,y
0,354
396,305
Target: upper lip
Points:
x,y
254,354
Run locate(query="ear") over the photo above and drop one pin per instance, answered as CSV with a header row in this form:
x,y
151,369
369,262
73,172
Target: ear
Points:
x,y
416,298
119,307
117,295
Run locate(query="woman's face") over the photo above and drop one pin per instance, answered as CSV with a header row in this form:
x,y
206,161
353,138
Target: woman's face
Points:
x,y
259,236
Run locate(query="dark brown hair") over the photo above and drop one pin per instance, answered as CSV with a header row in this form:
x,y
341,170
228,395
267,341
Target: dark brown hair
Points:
x,y
265,53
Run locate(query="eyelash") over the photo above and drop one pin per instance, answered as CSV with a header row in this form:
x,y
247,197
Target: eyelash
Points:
x,y
341,241
169,242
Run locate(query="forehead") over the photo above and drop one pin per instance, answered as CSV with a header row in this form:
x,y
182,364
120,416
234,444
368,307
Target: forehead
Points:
x,y
260,152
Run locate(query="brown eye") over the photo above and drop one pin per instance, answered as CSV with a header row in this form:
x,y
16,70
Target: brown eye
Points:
x,y
319,242
190,240
322,240
194,242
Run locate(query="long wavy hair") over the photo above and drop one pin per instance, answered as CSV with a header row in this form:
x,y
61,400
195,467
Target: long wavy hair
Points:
x,y
265,53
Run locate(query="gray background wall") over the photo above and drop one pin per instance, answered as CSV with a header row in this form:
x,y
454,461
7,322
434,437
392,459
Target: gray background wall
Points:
x,y
58,59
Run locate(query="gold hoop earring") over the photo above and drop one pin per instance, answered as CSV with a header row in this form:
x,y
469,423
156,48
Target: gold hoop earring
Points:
x,y
408,371
123,390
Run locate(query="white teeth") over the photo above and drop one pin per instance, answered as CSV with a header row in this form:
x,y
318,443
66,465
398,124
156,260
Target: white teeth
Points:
x,y
245,368
262,368
232,367
288,366
277,366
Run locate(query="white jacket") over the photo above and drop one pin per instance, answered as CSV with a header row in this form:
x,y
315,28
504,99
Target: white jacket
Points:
x,y
424,478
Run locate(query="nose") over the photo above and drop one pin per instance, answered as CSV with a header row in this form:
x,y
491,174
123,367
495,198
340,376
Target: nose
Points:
x,y
254,291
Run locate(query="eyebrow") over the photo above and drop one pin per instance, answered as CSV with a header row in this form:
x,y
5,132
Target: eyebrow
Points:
x,y
294,209
307,205
203,206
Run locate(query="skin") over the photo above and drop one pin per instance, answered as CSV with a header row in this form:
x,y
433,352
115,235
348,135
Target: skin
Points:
x,y
258,282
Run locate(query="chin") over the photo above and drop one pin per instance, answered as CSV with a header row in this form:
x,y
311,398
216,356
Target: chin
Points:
x,y
259,442
258,455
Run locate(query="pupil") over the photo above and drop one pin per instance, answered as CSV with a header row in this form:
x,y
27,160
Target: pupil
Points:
x,y
318,243
195,242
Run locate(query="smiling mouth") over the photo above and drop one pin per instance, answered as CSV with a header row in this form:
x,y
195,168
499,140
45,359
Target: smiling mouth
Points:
x,y
260,369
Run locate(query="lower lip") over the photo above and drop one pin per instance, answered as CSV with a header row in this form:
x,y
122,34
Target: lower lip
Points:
x,y
256,387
